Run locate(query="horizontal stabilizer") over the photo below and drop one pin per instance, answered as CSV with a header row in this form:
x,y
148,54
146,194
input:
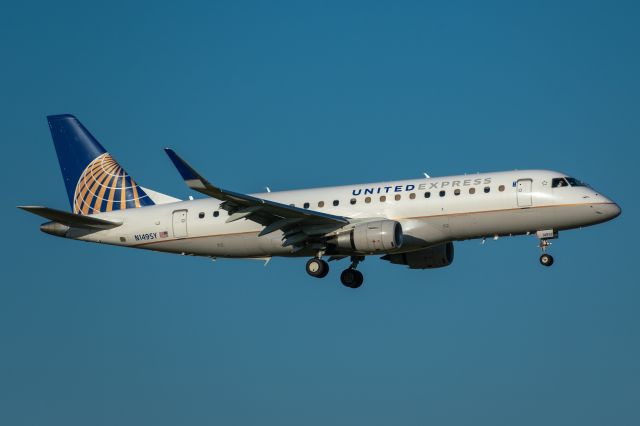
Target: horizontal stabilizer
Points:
x,y
70,219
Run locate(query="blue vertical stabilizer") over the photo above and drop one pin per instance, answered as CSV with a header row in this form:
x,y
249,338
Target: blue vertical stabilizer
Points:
x,y
95,182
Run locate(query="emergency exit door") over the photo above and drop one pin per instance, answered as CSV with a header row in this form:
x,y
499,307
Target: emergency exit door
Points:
x,y
180,223
524,193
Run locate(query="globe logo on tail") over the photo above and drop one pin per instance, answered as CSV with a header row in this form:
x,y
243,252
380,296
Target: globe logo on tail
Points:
x,y
104,186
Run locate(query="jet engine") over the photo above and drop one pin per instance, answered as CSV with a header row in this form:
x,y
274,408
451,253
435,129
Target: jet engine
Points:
x,y
432,257
371,237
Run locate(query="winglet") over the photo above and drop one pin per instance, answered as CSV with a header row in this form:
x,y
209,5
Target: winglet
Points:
x,y
188,173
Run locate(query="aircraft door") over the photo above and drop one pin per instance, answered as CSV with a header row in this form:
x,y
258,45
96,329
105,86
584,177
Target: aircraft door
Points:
x,y
524,192
180,223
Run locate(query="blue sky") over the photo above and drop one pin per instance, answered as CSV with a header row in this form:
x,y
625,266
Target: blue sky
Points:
x,y
302,94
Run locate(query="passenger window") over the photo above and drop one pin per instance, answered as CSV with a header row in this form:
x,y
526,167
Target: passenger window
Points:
x,y
427,194
558,183
201,215
442,193
501,188
472,190
320,203
336,202
383,198
216,213
305,205
352,201
367,200
412,196
456,192
486,189
397,197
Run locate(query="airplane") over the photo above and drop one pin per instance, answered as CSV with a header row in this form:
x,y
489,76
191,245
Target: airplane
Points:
x,y
410,222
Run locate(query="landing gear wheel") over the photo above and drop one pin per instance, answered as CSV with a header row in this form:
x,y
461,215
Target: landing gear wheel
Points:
x,y
546,259
351,278
317,268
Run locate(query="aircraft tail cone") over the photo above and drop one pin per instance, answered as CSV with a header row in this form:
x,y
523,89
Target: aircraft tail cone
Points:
x,y
54,228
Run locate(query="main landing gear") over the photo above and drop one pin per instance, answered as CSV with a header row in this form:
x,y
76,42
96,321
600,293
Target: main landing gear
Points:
x,y
350,277
316,267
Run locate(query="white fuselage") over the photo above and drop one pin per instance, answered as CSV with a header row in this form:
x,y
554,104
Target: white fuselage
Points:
x,y
516,202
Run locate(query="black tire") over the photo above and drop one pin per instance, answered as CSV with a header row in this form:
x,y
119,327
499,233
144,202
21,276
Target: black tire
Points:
x,y
359,280
351,278
317,268
325,266
546,260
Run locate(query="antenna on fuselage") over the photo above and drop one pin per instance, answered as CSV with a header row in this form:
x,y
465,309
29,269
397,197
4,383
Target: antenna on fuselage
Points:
x,y
426,175
268,189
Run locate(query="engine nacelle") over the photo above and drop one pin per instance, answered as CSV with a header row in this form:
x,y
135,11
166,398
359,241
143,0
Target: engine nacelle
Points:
x,y
432,257
371,237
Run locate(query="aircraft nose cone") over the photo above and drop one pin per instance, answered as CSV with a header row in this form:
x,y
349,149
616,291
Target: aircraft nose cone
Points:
x,y
615,210
610,210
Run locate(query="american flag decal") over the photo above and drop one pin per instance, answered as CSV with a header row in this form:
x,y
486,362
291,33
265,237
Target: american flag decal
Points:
x,y
164,234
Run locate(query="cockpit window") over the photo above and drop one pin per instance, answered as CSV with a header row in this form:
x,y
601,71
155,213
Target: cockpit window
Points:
x,y
575,182
566,181
558,182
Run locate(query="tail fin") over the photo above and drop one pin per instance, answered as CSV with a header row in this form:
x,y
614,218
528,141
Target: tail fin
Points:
x,y
95,182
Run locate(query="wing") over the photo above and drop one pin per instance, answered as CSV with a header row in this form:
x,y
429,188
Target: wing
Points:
x,y
297,224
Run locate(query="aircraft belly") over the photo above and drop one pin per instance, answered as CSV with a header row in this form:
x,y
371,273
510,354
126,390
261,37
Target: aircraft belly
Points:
x,y
424,232
476,225
230,245
271,244
518,221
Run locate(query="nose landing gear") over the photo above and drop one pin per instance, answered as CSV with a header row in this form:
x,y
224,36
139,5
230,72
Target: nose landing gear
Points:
x,y
545,259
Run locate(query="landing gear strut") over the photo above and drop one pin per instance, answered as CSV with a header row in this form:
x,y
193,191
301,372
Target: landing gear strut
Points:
x,y
351,277
318,268
545,259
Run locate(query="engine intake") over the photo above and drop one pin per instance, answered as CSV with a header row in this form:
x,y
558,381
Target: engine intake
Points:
x,y
371,237
432,257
